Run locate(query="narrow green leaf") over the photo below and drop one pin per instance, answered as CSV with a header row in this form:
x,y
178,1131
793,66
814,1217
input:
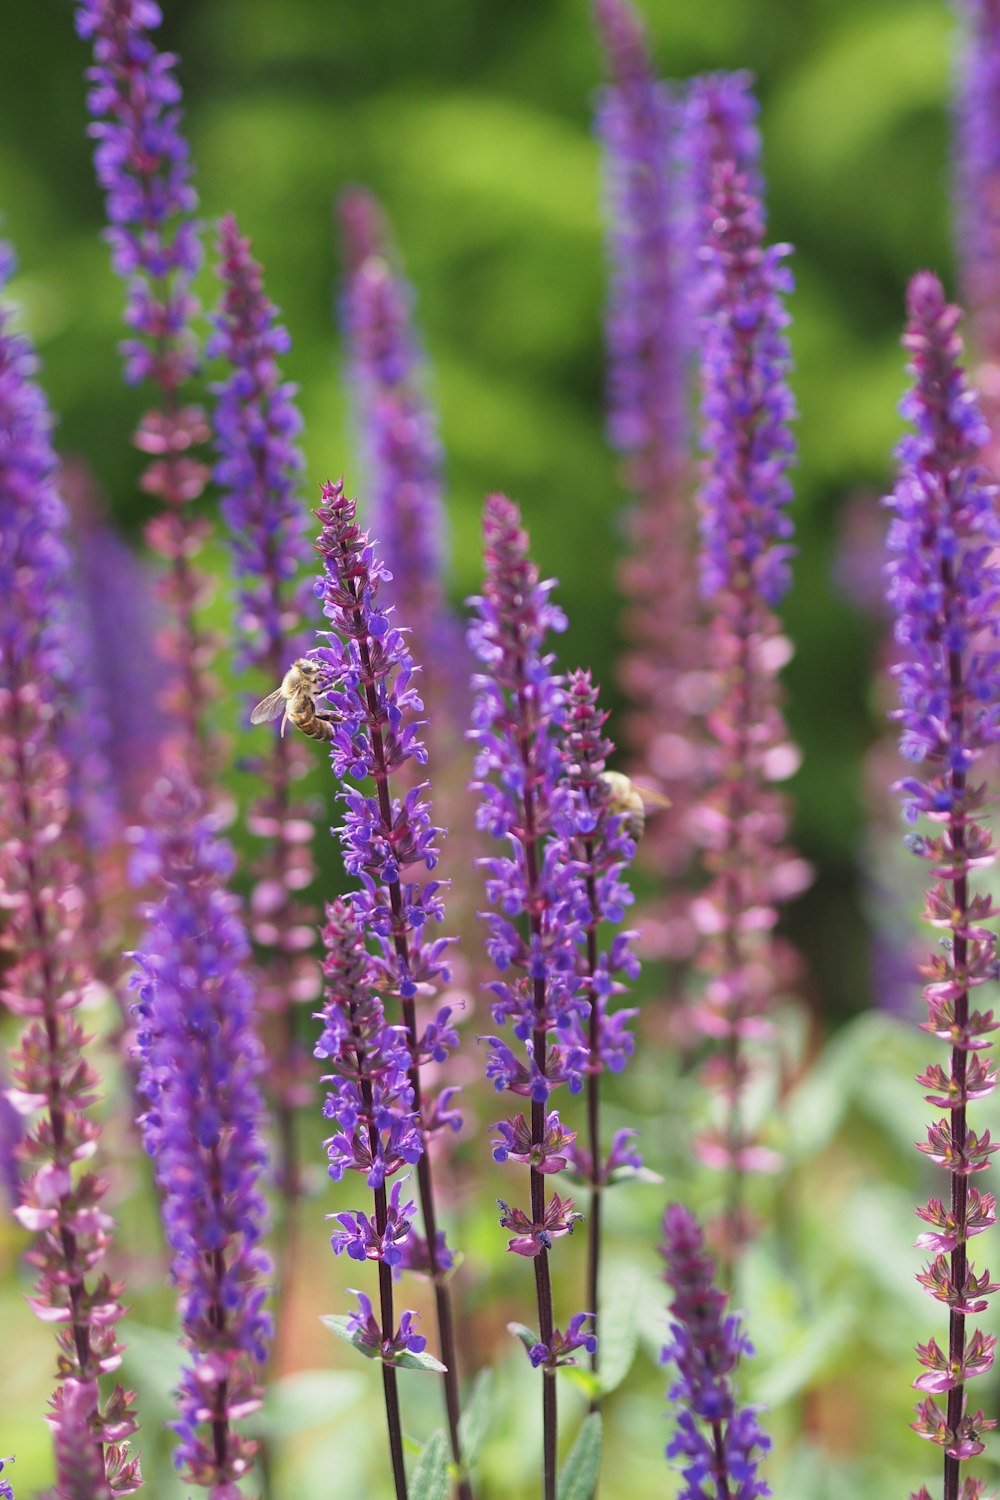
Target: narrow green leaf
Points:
x,y
430,1477
408,1361
474,1422
338,1324
579,1476
618,1331
528,1336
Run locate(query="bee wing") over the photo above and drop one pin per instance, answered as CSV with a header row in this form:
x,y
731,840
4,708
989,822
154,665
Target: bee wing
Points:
x,y
651,798
268,708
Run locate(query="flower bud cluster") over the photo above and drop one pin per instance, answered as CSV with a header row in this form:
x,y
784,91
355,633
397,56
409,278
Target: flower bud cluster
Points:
x,y
945,588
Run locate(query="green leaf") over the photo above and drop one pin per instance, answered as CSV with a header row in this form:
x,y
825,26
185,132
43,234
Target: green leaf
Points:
x,y
579,1476
408,1361
528,1336
338,1324
430,1477
618,1330
633,1174
474,1422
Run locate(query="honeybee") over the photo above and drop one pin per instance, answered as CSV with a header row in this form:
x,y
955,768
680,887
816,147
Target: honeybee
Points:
x,y
295,700
630,801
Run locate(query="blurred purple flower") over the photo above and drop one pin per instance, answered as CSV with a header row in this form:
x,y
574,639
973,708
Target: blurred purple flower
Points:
x,y
43,960
200,1065
143,164
648,342
745,529
944,586
719,1444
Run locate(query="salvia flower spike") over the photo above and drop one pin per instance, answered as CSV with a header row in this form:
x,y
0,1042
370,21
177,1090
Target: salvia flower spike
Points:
x,y
143,164
647,339
44,974
945,589
601,851
537,894
377,1132
200,1066
390,847
718,1444
745,529
256,424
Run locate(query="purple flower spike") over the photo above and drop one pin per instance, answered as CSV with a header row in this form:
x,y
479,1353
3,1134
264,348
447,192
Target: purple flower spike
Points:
x,y
200,1065
745,530
390,848
256,425
945,588
403,455
79,1474
718,1444
977,186
142,162
536,891
43,957
648,343
143,165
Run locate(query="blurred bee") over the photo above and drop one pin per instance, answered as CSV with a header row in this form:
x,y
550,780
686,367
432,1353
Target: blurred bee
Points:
x,y
630,801
295,700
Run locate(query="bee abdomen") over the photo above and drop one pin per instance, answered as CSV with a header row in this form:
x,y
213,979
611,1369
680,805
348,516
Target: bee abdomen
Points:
x,y
304,716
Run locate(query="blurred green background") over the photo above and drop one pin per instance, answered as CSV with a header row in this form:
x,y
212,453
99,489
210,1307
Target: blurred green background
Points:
x,y
472,122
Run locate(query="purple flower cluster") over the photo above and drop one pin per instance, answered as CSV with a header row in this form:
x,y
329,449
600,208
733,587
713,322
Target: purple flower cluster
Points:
x,y
747,404
719,125
719,1445
143,165
647,339
256,424
200,1065
388,382
6,1488
364,1324
371,1101
945,588
977,178
636,123
142,162
742,822
370,672
518,714
80,1475
541,903
44,972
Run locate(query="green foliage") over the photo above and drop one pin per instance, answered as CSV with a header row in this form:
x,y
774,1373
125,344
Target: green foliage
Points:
x,y
578,1475
430,1477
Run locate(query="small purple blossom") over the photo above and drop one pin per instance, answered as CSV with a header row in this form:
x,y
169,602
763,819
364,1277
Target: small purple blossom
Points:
x,y
200,1066
532,1237
514,1143
365,1325
6,1488
563,1345
362,1238
719,1444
